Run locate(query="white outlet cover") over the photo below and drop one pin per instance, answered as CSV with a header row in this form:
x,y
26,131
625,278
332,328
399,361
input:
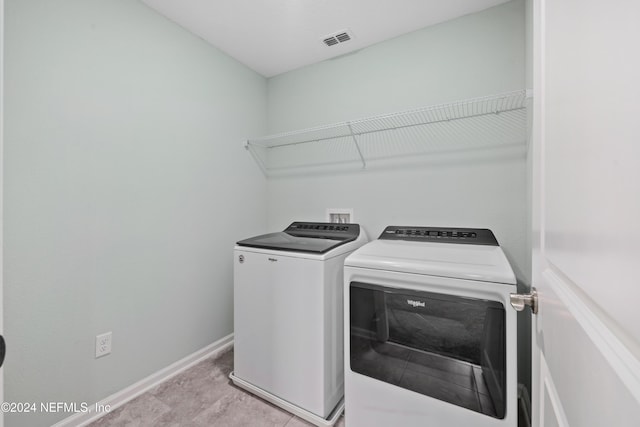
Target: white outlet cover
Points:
x,y
344,215
103,344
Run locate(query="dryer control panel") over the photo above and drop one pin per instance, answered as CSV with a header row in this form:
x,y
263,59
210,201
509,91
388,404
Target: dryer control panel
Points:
x,y
470,236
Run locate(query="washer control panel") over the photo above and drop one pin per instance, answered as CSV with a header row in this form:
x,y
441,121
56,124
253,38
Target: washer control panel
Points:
x,y
324,230
471,236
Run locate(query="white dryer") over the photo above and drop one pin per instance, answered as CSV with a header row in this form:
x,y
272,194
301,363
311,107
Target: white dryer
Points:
x,y
288,313
430,336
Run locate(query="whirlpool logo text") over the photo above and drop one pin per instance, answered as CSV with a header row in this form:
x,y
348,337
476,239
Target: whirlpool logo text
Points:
x,y
416,303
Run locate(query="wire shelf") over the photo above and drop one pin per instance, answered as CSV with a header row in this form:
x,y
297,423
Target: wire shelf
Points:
x,y
490,121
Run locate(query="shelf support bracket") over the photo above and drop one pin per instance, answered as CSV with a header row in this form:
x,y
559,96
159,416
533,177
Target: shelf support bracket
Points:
x,y
249,147
355,141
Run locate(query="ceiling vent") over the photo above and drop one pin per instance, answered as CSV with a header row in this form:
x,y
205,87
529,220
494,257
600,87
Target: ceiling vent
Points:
x,y
337,38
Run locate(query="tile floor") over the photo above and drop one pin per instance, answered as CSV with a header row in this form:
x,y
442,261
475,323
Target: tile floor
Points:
x,y
201,396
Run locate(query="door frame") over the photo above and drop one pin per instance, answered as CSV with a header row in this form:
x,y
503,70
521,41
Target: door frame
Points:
x,y
537,183
2,31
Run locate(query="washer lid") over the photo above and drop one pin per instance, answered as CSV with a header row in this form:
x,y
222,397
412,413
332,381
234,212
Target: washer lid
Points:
x,y
310,237
486,263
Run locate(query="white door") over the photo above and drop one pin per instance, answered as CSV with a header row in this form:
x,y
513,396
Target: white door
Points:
x,y
586,216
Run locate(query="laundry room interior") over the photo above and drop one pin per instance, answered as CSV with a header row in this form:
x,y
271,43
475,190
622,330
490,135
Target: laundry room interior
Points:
x,y
144,140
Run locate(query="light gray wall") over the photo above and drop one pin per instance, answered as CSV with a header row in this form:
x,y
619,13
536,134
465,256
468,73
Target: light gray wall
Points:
x,y
126,186
476,55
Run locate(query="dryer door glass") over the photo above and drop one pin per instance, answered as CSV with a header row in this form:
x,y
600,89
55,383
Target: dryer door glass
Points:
x,y
448,347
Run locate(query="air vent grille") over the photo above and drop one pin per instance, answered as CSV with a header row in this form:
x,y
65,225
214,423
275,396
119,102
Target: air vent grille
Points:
x,y
336,38
343,37
330,41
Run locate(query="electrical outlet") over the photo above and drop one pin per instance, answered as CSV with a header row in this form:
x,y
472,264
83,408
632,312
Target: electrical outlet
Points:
x,y
103,344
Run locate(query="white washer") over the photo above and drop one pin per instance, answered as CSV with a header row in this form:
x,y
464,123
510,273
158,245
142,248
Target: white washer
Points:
x,y
430,336
288,311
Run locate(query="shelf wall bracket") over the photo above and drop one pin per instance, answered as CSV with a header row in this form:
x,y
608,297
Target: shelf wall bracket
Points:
x,y
355,141
249,147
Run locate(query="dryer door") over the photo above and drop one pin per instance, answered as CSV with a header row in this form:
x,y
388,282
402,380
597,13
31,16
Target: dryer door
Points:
x,y
448,347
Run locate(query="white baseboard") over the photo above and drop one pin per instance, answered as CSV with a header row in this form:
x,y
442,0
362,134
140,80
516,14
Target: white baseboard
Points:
x,y
123,396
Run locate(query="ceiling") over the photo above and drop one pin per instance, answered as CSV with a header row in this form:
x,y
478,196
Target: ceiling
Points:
x,y
275,36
